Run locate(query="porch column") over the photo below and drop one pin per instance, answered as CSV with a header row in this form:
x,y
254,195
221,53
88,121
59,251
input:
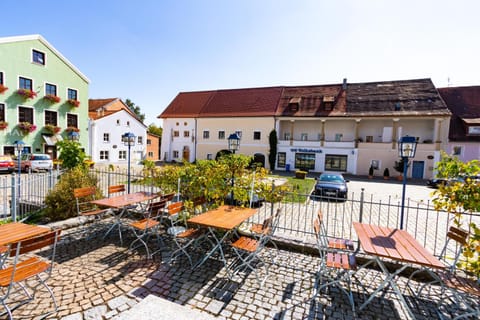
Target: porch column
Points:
x,y
437,133
323,134
357,121
394,133
292,124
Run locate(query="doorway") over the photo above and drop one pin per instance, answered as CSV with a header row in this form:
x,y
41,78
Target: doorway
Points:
x,y
417,169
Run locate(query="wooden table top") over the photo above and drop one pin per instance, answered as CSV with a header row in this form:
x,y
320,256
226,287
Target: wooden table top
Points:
x,y
16,231
224,217
394,244
125,199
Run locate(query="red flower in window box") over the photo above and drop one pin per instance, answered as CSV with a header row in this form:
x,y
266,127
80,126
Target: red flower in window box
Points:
x,y
52,98
26,127
3,125
73,103
52,129
26,93
3,88
72,129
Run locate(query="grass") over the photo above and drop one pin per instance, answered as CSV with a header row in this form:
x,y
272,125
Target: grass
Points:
x,y
301,188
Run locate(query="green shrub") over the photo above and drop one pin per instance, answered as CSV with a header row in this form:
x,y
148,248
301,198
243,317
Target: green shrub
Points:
x,y
60,201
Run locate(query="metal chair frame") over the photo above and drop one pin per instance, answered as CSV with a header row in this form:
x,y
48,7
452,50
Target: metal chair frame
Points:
x,y
85,208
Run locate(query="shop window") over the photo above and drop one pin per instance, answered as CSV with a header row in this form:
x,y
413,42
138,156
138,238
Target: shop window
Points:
x,y
305,161
335,162
281,159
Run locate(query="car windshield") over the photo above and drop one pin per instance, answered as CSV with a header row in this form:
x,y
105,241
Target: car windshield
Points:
x,y
40,157
331,178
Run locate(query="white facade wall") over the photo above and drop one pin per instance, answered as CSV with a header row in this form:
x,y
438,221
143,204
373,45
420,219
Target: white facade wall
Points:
x,y
115,125
175,148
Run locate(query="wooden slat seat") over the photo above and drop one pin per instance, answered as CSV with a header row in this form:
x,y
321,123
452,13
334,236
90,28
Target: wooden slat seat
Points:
x,y
144,224
246,244
333,243
191,233
341,261
116,189
24,270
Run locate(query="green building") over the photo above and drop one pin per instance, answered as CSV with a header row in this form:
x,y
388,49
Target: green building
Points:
x,y
43,97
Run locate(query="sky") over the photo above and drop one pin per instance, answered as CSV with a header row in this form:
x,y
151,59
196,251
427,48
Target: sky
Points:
x,y
150,50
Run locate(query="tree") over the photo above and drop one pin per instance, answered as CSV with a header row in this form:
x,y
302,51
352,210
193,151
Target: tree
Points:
x,y
461,198
272,156
153,129
136,109
71,155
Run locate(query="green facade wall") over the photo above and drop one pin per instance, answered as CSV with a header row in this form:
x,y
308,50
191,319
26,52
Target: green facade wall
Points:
x,y
15,62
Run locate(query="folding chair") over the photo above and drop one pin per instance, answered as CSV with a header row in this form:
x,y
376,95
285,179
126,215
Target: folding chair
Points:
x,y
119,188
148,226
248,249
336,265
332,243
463,292
85,208
27,266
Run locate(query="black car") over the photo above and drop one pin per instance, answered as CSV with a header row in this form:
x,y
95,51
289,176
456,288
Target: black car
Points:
x,y
331,185
436,182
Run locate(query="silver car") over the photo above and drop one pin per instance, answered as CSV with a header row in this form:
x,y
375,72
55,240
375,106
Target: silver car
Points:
x,y
36,162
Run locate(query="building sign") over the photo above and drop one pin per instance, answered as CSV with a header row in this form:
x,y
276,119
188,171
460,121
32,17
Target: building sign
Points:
x,y
306,150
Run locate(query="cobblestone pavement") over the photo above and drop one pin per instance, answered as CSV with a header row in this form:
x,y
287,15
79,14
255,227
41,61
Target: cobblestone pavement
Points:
x,y
99,279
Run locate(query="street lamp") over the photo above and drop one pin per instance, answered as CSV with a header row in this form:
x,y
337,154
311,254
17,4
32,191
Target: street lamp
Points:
x,y
128,139
406,149
73,136
233,145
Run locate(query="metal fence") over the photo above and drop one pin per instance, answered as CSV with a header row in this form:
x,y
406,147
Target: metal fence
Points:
x,y
426,224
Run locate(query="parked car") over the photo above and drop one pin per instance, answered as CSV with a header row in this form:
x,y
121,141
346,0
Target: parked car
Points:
x,y
6,164
35,162
331,185
436,182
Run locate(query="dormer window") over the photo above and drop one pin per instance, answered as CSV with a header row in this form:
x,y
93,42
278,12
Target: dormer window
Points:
x,y
328,102
294,103
38,57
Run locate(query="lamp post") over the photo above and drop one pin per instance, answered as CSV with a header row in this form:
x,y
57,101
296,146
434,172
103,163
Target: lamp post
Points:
x,y
406,149
73,136
128,139
233,145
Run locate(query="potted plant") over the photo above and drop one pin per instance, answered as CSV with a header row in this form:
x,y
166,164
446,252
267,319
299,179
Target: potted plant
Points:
x,y
26,93
3,125
370,172
399,168
3,88
26,127
73,103
386,174
49,128
52,98
72,129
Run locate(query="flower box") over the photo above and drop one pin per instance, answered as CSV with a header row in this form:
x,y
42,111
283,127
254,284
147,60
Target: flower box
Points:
x,y
51,129
3,88
72,129
26,127
73,103
26,93
299,174
3,125
52,98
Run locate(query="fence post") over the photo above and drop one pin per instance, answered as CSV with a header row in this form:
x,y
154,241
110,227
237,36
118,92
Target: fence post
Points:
x,y
50,181
273,203
14,198
362,194
109,174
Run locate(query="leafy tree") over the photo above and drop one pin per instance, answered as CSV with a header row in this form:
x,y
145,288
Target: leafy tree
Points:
x,y
272,156
152,128
71,155
136,109
460,198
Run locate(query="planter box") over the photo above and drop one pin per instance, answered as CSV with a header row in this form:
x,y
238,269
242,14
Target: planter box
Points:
x,y
300,174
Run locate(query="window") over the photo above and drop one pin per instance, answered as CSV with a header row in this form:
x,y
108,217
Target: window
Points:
x,y
221,135
281,158
305,161
176,133
72,120
177,123
369,139
25,83
106,137
25,114
122,155
149,142
150,154
51,117
474,130
257,135
1,78
140,140
175,154
185,124
128,123
209,156
286,136
50,89
375,164
338,137
2,112
457,150
72,94
104,155
206,134
335,162
186,134
239,133
38,57
304,137
118,122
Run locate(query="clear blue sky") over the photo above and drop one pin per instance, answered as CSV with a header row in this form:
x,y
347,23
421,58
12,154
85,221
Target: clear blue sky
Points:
x,y
150,50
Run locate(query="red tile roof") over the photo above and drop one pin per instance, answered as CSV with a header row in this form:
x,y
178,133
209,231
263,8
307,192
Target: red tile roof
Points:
x,y
187,104
94,104
464,103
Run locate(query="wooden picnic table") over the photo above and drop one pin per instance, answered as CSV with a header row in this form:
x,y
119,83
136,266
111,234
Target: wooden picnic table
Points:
x,y
17,231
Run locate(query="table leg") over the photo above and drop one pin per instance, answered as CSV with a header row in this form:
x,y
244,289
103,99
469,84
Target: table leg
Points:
x,y
117,223
217,246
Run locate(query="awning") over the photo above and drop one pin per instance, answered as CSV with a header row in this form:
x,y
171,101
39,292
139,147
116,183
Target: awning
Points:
x,y
52,140
475,121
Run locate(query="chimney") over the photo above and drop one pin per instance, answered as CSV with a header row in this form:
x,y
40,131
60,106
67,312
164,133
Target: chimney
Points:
x,y
344,85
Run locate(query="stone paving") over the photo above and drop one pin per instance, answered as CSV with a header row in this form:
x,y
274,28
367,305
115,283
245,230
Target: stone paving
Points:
x,y
100,279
